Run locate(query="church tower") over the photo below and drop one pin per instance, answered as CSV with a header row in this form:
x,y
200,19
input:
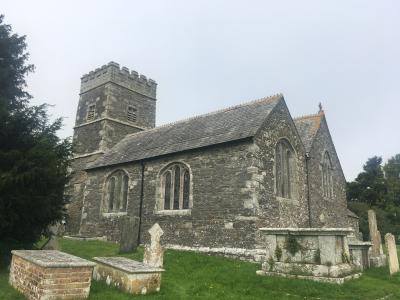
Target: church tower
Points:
x,y
113,103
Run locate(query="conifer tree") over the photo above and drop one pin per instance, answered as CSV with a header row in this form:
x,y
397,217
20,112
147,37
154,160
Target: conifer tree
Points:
x,y
33,159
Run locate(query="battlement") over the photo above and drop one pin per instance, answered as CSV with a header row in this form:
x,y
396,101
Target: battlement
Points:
x,y
121,76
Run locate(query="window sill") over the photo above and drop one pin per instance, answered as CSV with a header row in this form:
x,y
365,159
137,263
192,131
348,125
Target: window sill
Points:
x,y
287,200
114,214
174,212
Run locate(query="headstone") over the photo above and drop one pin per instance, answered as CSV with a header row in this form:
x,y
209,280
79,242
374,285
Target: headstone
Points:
x,y
375,235
392,252
52,244
153,254
129,228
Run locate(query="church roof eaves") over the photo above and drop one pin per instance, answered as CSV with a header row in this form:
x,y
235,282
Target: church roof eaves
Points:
x,y
226,125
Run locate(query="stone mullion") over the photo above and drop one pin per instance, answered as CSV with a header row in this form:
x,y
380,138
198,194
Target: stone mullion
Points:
x,y
288,177
121,193
117,197
282,172
182,172
330,184
172,188
162,192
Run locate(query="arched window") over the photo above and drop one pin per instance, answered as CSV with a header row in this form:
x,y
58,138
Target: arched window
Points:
x,y
285,169
327,179
175,186
116,192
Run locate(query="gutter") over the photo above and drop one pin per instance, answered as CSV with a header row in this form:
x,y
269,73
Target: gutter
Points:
x,y
308,157
141,200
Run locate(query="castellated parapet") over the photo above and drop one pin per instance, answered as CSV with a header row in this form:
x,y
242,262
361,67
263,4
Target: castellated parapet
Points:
x,y
121,76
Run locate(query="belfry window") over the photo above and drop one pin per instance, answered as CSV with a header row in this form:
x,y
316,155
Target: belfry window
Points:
x,y
327,179
285,169
116,192
131,113
91,113
175,183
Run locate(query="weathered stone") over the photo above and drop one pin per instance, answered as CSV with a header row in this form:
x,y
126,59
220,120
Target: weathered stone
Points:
x,y
129,234
377,258
374,234
319,253
129,275
233,182
46,274
111,91
52,244
392,253
154,253
359,253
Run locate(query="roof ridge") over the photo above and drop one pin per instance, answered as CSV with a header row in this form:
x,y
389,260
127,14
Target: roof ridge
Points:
x,y
318,114
259,100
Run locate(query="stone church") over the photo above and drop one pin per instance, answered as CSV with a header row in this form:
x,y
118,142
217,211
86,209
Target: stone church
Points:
x,y
209,181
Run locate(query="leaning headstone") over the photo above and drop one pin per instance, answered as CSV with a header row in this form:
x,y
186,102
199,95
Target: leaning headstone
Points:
x,y
392,252
129,228
154,253
374,233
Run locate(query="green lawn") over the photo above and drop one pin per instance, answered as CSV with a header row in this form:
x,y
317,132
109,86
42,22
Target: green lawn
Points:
x,y
195,276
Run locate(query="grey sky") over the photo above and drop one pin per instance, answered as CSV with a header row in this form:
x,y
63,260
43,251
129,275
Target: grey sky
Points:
x,y
207,55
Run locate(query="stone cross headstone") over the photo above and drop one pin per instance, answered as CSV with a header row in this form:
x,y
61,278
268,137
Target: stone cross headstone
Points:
x,y
129,228
392,252
375,235
154,253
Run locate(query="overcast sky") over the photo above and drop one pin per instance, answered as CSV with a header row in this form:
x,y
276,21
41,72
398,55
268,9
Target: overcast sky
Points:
x,y
207,55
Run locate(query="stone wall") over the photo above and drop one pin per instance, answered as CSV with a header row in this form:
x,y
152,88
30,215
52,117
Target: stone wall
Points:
x,y
326,211
95,220
219,215
112,89
120,98
354,223
274,211
233,192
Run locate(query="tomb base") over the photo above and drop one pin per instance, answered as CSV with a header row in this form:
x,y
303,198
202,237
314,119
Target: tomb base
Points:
x,y
128,275
337,280
377,261
49,274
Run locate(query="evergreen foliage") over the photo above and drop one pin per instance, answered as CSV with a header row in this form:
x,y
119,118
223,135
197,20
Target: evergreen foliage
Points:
x,y
377,188
33,160
278,253
292,245
317,256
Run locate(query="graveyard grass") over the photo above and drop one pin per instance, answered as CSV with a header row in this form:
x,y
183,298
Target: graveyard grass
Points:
x,y
197,276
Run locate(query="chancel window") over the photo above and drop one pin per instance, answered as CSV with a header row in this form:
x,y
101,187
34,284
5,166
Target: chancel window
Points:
x,y
131,114
285,163
91,113
116,192
327,179
175,187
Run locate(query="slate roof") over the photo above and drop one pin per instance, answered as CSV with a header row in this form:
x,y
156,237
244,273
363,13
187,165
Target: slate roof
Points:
x,y
234,123
307,126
